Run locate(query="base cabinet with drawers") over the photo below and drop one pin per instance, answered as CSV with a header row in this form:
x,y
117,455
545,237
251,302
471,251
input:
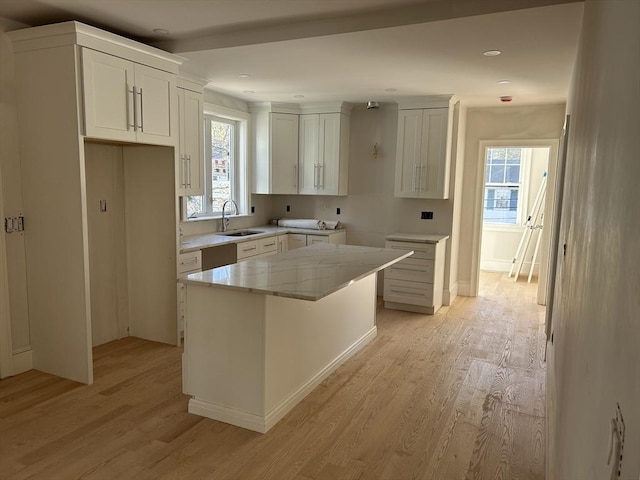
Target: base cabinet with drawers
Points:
x,y
416,283
298,240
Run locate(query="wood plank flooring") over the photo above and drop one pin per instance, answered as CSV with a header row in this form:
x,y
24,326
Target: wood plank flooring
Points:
x,y
457,395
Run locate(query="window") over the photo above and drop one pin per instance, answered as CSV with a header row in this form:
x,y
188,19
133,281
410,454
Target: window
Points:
x,y
225,168
503,181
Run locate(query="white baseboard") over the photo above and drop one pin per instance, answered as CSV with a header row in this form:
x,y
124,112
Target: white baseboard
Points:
x,y
449,295
22,362
464,289
262,424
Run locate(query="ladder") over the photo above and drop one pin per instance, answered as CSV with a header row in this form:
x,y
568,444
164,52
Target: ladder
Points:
x,y
534,223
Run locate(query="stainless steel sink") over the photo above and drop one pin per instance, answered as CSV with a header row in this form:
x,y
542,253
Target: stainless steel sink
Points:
x,y
241,233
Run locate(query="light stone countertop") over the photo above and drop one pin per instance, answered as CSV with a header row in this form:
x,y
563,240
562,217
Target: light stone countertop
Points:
x,y
417,237
308,273
192,243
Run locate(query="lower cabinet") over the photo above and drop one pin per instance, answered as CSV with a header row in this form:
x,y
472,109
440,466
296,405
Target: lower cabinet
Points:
x,y
297,240
190,262
415,284
258,248
283,243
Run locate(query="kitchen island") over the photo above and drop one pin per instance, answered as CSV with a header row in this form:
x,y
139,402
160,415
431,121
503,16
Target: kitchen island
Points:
x,y
261,334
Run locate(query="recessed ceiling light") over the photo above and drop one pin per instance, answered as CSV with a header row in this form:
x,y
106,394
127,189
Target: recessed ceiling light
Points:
x,y
161,31
244,75
503,82
491,53
248,91
390,89
298,96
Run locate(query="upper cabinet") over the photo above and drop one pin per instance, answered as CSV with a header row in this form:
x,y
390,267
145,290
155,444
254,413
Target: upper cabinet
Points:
x,y
275,150
423,152
324,154
127,101
191,141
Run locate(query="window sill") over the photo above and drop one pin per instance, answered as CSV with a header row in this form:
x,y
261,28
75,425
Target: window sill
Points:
x,y
498,227
216,217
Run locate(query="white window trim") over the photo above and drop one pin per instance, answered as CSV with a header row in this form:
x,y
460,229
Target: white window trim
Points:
x,y
523,202
241,189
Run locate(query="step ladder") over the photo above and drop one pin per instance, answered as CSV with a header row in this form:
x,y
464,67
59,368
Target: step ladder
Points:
x,y
534,223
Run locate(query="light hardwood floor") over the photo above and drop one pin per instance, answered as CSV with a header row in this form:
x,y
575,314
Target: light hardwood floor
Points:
x,y
457,395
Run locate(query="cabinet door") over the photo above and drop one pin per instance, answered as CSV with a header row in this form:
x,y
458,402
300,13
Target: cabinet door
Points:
x,y
296,240
284,153
191,150
433,171
313,239
108,96
309,154
283,244
329,153
155,106
408,153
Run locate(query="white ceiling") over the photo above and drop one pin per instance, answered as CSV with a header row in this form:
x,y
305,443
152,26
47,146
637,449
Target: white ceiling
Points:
x,y
351,50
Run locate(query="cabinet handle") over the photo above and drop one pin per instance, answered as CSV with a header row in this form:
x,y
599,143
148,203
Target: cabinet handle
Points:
x,y
183,163
321,176
295,176
192,261
316,181
249,249
141,112
415,178
130,109
402,292
269,244
189,171
409,269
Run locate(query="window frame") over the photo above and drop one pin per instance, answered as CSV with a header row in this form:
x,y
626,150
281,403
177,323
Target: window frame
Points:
x,y
240,191
523,187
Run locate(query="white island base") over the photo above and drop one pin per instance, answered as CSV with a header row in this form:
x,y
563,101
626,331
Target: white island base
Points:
x,y
250,358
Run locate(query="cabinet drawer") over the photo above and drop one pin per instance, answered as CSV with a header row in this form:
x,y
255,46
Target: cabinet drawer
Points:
x,y
189,262
268,245
313,239
420,250
412,293
411,270
247,249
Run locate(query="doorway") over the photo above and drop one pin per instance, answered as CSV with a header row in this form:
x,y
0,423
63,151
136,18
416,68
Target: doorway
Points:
x,y
514,203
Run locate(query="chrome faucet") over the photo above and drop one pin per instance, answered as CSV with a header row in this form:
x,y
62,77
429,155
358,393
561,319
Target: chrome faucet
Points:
x,y
225,220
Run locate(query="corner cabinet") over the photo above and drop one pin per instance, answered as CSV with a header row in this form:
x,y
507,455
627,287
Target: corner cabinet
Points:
x,y
324,154
191,141
423,152
127,101
275,151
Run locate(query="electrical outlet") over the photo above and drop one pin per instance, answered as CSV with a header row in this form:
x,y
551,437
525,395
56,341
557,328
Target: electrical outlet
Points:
x,y
426,215
253,209
288,208
338,211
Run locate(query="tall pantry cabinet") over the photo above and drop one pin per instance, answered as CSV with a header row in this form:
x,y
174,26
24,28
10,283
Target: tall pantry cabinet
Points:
x,y
98,166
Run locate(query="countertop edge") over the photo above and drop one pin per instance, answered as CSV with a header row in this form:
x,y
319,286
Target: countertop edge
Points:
x,y
417,237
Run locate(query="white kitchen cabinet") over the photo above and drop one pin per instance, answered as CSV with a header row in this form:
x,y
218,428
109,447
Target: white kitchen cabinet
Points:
x,y
127,101
191,143
324,154
283,243
416,283
423,152
59,160
275,152
298,240
261,247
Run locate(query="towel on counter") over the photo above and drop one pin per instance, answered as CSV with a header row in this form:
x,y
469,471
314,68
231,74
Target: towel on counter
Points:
x,y
331,225
311,224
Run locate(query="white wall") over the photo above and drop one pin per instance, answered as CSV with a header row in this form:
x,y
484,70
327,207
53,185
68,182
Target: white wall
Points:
x,y
506,122
500,242
12,196
594,360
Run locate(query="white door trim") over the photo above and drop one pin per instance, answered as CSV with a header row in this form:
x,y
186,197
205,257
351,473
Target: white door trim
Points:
x,y
6,350
477,216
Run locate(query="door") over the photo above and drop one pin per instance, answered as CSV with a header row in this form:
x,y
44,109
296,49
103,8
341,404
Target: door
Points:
x,y
309,154
108,96
329,153
408,154
156,106
284,153
191,148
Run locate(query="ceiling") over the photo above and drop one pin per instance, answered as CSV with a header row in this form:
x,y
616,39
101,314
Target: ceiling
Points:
x,y
350,50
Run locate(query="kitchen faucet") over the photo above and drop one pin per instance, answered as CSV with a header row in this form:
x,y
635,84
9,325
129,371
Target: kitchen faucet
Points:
x,y
225,220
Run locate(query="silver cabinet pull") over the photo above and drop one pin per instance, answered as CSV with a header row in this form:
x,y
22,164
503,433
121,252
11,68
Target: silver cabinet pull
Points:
x,y
130,109
141,112
183,164
189,171
295,176
320,176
